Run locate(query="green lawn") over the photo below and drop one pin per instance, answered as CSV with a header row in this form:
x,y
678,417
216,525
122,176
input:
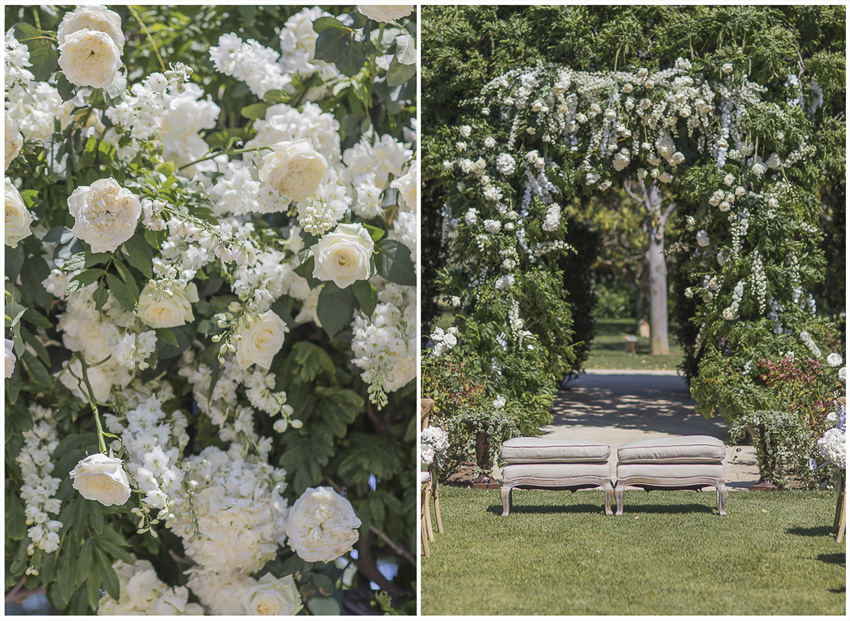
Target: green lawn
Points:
x,y
669,553
608,350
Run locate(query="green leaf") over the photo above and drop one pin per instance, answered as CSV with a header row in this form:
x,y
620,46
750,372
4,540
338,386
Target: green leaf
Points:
x,y
167,336
44,56
139,254
323,23
393,262
66,89
327,606
305,270
367,296
127,277
89,276
96,258
93,587
84,562
335,308
342,49
16,526
14,262
100,296
310,360
374,232
255,111
113,550
399,73
107,575
405,49
121,293
65,582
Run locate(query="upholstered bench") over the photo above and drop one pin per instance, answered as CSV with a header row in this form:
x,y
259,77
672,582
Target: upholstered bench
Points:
x,y
683,462
555,463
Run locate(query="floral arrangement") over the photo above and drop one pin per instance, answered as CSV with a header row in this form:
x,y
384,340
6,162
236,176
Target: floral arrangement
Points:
x,y
433,444
210,316
732,155
832,445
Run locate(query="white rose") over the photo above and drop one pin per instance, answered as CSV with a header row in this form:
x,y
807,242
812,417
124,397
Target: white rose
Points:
x,y
18,217
14,141
273,596
729,179
10,357
102,478
385,12
260,339
97,18
105,214
294,169
322,525
702,238
408,186
727,68
833,359
89,58
344,256
159,310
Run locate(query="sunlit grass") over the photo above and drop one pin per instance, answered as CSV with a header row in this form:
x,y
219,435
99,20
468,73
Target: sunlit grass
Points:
x,y
608,350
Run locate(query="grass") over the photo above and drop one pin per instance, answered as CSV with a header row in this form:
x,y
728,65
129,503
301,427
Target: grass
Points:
x,y
608,350
669,553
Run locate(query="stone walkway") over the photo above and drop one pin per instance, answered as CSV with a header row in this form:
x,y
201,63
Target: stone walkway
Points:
x,y
616,407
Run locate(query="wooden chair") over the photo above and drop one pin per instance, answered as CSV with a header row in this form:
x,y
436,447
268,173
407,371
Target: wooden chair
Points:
x,y
840,522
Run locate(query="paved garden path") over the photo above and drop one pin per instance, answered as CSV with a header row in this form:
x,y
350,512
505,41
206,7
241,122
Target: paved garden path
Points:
x,y
616,407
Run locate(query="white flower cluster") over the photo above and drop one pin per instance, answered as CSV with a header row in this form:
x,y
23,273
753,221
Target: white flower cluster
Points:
x,y
443,340
143,593
833,446
251,63
731,312
433,444
810,344
39,488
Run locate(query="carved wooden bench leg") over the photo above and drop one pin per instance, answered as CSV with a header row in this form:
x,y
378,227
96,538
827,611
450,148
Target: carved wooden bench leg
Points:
x,y
506,493
618,497
722,494
609,497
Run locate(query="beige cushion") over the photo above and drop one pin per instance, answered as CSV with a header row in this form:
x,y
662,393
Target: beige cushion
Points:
x,y
551,472
678,450
670,472
554,450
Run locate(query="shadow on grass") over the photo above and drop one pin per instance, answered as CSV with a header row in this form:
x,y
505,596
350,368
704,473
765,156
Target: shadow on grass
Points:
x,y
566,509
814,531
836,559
691,508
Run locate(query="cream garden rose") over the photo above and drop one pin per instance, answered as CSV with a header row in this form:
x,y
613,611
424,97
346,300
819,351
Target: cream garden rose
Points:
x,y
101,478
158,309
274,597
89,58
9,357
97,18
385,12
105,214
344,256
408,186
13,139
294,169
322,525
18,217
259,340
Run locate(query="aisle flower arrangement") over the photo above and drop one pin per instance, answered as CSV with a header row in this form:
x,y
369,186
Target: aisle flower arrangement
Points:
x,y
210,313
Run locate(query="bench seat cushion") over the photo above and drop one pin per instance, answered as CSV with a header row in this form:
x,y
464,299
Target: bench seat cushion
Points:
x,y
554,450
554,472
670,472
677,450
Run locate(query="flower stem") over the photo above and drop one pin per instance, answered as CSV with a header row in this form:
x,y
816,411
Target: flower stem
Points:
x,y
93,404
223,152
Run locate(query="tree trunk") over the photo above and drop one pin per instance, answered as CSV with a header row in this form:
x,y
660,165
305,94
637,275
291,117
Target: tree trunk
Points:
x,y
657,264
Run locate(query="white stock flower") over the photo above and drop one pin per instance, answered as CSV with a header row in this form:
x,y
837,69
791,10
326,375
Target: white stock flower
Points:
x,y
344,256
18,217
89,58
9,356
101,478
273,596
160,310
385,12
322,525
94,17
105,214
14,140
294,169
260,339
